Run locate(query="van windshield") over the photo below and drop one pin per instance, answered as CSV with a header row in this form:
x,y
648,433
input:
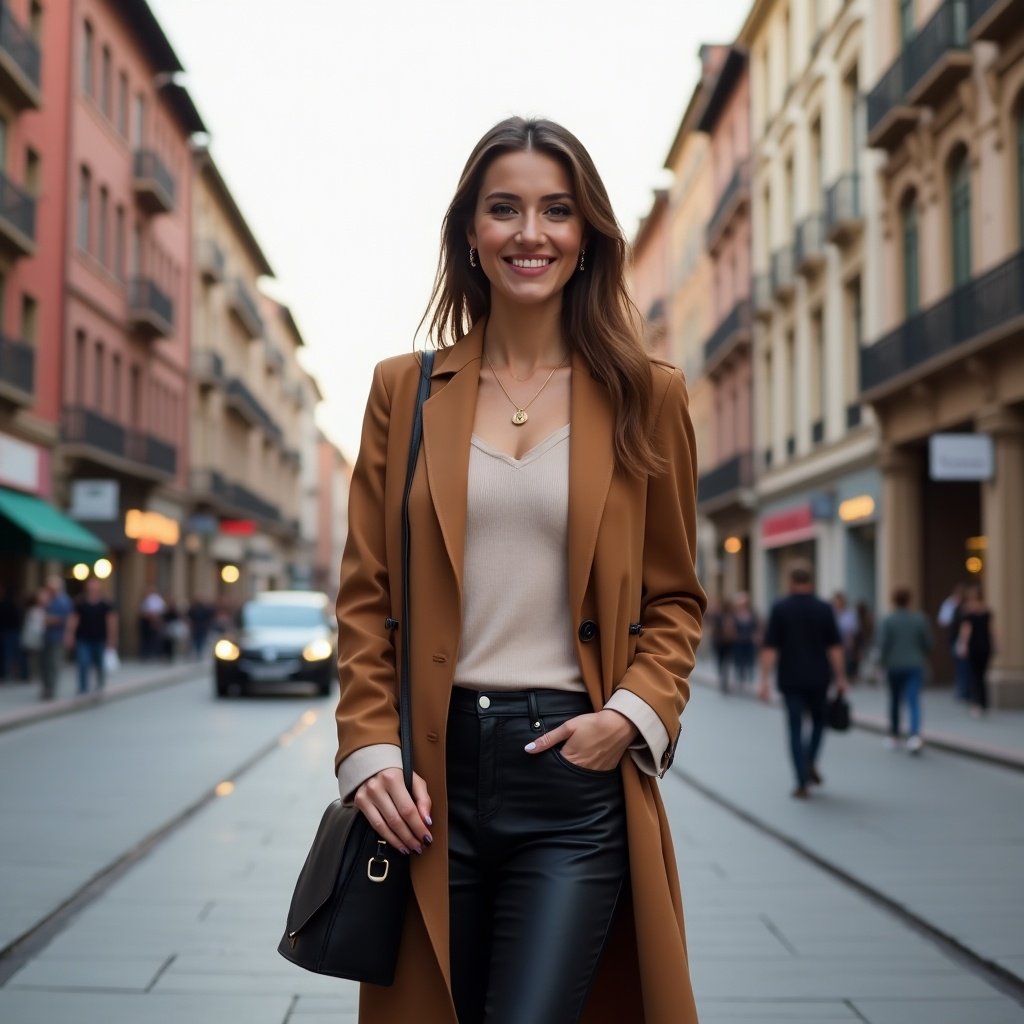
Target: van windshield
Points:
x,y
256,615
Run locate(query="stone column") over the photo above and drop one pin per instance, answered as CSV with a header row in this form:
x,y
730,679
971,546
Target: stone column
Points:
x,y
1002,514
901,544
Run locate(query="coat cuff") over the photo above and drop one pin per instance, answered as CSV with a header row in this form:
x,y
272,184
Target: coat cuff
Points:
x,y
363,763
648,752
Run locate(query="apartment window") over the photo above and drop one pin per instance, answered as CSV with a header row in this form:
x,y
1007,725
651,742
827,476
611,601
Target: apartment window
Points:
x,y
960,213
79,376
768,403
84,199
105,81
792,389
906,26
136,253
911,256
119,240
787,50
818,376
87,47
854,118
97,386
1020,172
139,121
29,320
35,20
854,340
115,386
33,171
104,216
122,104
817,159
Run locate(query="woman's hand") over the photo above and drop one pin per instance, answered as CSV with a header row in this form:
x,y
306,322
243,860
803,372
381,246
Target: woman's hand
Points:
x,y
401,819
596,741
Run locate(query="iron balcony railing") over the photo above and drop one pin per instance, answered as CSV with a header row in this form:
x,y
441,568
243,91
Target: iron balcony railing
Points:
x,y
842,201
152,452
782,269
245,306
817,431
149,167
17,364
945,30
251,504
212,260
251,408
87,427
19,45
810,239
736,320
146,297
730,476
18,207
739,181
986,303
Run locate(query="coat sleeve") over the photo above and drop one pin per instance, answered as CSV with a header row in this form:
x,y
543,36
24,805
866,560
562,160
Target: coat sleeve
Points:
x,y
367,711
672,601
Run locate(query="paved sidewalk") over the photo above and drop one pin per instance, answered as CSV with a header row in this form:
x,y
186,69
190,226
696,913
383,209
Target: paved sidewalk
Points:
x,y
190,932
20,703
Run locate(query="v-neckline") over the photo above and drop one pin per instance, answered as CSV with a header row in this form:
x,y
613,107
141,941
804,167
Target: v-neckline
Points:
x,y
530,455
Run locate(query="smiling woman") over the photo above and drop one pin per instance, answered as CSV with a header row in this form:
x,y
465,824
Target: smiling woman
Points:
x,y
554,613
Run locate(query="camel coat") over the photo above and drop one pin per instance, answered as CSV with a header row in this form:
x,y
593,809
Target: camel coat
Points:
x,y
631,561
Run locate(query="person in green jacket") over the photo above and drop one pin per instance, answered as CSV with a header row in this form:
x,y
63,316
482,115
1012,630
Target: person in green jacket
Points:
x,y
904,645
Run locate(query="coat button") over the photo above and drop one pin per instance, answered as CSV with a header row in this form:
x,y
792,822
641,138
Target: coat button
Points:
x,y
485,701
588,630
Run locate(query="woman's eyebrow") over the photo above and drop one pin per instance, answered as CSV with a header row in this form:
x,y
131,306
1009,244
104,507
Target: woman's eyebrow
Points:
x,y
518,199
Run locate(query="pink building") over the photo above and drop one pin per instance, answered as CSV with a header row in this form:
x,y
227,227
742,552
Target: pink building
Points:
x,y
725,495
333,473
649,275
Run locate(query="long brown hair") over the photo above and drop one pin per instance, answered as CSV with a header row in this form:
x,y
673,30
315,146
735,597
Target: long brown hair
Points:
x,y
599,321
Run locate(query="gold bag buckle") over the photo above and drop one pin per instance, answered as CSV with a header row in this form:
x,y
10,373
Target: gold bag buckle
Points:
x,y
378,856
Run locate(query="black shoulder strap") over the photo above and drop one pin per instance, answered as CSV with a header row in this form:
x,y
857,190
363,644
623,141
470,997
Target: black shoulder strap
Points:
x,y
404,697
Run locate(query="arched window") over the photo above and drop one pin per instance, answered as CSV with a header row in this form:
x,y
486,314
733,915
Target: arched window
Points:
x,y
911,255
960,216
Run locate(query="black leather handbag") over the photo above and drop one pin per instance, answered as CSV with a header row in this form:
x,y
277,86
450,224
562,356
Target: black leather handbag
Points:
x,y
837,714
349,904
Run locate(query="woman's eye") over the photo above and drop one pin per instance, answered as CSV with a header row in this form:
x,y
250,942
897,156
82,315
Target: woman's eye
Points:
x,y
502,210
560,211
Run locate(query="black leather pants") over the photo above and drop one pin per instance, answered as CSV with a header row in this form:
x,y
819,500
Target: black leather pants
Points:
x,y
537,857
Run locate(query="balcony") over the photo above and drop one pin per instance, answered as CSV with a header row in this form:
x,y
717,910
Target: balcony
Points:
x,y
17,219
245,404
150,310
994,20
87,433
232,499
212,261
843,218
809,244
930,66
731,202
988,310
252,504
723,486
19,64
762,291
728,337
207,368
244,307
274,357
783,274
17,371
152,182
817,432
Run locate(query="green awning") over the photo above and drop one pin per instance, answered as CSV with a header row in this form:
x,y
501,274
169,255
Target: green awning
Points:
x,y
31,526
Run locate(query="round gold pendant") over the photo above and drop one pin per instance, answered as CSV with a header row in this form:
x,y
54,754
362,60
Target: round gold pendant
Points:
x,y
519,417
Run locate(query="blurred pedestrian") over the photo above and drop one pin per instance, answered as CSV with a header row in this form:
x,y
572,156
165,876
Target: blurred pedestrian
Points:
x,y
802,643
904,644
745,646
33,629
58,610
10,635
849,629
977,643
151,624
722,624
200,619
175,629
92,630
949,619
865,645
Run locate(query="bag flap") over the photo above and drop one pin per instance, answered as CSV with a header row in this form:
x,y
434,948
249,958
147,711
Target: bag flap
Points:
x,y
323,862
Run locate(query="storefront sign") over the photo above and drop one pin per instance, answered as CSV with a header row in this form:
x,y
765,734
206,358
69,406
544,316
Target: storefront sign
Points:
x,y
961,457
854,509
789,527
21,465
95,500
151,526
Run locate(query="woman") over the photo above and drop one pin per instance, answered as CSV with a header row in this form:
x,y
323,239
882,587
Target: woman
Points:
x,y
976,642
904,646
555,613
747,629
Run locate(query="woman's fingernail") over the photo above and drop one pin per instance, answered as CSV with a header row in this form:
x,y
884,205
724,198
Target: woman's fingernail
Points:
x,y
419,849
429,820
531,746
428,839
404,850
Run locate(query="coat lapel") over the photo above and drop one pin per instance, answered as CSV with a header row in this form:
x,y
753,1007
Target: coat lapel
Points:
x,y
447,433
591,462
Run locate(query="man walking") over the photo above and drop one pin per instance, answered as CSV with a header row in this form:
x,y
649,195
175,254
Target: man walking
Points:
x,y
904,647
91,629
802,642
58,608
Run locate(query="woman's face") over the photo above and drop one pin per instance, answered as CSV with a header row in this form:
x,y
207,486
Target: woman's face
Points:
x,y
527,228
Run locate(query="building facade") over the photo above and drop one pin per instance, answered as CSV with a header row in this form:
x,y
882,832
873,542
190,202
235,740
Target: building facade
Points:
x,y
648,275
815,293
944,370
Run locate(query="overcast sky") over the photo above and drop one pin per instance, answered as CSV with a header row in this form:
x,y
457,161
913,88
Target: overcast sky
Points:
x,y
341,128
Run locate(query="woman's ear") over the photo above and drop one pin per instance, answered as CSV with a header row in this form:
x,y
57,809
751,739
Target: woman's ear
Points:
x,y
471,236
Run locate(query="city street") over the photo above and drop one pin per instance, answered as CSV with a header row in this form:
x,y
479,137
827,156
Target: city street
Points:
x,y
177,897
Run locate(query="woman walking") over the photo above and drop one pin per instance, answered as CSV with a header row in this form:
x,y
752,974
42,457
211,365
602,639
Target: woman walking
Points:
x,y
904,645
976,642
555,613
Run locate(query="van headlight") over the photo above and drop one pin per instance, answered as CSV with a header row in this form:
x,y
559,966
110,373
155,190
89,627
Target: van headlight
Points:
x,y
318,650
225,650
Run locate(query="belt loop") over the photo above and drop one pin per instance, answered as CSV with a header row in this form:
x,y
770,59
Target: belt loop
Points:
x,y
531,703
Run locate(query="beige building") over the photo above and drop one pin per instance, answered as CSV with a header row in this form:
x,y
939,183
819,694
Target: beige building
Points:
x,y
945,368
815,294
246,406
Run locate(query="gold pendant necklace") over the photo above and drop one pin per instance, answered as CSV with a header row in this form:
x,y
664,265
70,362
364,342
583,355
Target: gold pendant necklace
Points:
x,y
519,417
